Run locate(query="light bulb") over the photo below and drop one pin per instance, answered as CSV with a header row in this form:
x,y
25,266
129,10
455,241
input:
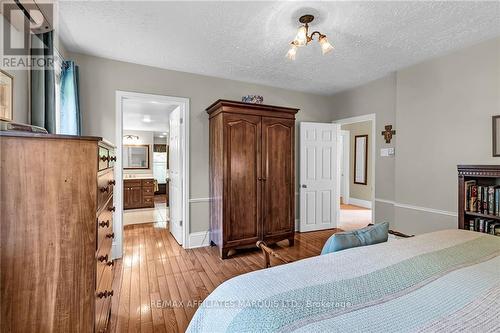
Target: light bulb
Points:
x,y
325,44
301,38
292,52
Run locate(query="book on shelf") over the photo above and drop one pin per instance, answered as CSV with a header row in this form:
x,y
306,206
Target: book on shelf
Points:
x,y
469,203
482,199
497,201
473,199
484,208
485,226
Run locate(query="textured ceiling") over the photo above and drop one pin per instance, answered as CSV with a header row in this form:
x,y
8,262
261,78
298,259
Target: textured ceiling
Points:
x,y
135,112
247,41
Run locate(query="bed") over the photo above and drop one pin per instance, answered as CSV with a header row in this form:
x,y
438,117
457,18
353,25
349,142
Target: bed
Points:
x,y
442,281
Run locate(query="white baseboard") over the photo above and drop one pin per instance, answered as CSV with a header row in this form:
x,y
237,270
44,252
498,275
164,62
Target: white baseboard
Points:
x,y
360,203
199,239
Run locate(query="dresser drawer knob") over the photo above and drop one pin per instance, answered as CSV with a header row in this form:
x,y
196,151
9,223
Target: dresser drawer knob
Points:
x,y
104,189
112,209
110,263
104,158
112,182
104,224
103,258
111,235
104,294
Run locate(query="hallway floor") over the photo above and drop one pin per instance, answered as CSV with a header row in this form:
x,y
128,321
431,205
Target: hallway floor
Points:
x,y
354,217
160,213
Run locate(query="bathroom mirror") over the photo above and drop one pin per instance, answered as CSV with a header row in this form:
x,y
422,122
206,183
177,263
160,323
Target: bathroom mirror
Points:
x,y
360,159
136,156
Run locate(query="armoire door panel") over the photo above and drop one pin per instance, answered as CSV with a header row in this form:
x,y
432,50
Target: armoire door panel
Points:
x,y
243,168
278,174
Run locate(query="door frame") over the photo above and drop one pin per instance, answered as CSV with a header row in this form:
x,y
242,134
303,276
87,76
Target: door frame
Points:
x,y
183,102
359,119
346,152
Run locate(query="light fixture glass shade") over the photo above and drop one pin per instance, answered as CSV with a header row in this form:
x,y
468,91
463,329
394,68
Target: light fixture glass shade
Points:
x,y
292,52
325,45
301,38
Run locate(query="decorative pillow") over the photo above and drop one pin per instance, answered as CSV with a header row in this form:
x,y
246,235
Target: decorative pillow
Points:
x,y
373,234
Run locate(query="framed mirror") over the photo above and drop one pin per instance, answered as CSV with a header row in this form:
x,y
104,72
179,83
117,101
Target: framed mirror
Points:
x,y
136,156
360,159
496,136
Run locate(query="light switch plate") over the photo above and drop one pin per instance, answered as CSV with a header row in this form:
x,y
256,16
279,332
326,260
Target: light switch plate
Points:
x,y
386,152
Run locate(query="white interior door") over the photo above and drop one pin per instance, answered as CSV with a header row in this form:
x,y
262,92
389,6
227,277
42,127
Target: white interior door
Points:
x,y
175,172
319,177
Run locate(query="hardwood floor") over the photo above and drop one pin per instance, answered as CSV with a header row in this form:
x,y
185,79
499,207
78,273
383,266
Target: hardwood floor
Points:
x,y
352,207
158,285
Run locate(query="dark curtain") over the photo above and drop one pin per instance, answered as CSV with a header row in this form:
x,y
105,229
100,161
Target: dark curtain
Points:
x,y
70,100
43,96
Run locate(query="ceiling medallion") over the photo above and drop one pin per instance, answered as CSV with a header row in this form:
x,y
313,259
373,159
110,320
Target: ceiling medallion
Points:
x,y
303,38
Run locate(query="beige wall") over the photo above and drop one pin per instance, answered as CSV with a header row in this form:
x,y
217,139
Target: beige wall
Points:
x,y
359,191
100,78
442,112
378,97
20,111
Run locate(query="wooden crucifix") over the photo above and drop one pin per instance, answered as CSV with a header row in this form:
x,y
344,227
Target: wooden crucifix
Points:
x,y
388,133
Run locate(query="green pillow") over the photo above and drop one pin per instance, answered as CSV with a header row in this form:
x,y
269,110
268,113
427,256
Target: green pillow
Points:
x,y
373,234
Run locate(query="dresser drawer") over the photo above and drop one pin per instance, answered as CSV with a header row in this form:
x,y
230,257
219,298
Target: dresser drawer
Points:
x,y
148,182
103,158
105,224
105,186
103,259
112,158
104,294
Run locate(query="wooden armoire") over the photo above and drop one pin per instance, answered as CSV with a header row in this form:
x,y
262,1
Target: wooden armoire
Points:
x,y
252,174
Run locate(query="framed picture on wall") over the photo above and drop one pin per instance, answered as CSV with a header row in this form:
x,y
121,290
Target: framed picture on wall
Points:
x,y
6,95
360,159
496,136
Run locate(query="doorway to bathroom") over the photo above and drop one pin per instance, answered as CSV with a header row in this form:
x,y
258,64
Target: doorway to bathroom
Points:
x,y
152,159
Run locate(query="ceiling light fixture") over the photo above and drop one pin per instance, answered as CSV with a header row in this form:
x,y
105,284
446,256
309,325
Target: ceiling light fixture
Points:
x,y
130,139
302,38
146,118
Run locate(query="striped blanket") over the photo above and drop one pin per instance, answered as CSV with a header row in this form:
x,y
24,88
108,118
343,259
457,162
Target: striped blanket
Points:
x,y
444,281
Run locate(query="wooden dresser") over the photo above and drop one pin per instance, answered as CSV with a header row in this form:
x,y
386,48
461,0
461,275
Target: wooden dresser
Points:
x,y
252,174
138,193
56,233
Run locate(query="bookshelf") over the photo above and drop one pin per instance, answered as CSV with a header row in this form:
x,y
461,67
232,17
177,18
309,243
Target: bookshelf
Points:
x,y
481,176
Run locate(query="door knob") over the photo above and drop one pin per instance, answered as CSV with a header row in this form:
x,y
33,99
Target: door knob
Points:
x,y
304,186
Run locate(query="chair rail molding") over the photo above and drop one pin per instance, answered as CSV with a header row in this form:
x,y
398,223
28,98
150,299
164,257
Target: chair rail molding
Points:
x,y
419,208
194,200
